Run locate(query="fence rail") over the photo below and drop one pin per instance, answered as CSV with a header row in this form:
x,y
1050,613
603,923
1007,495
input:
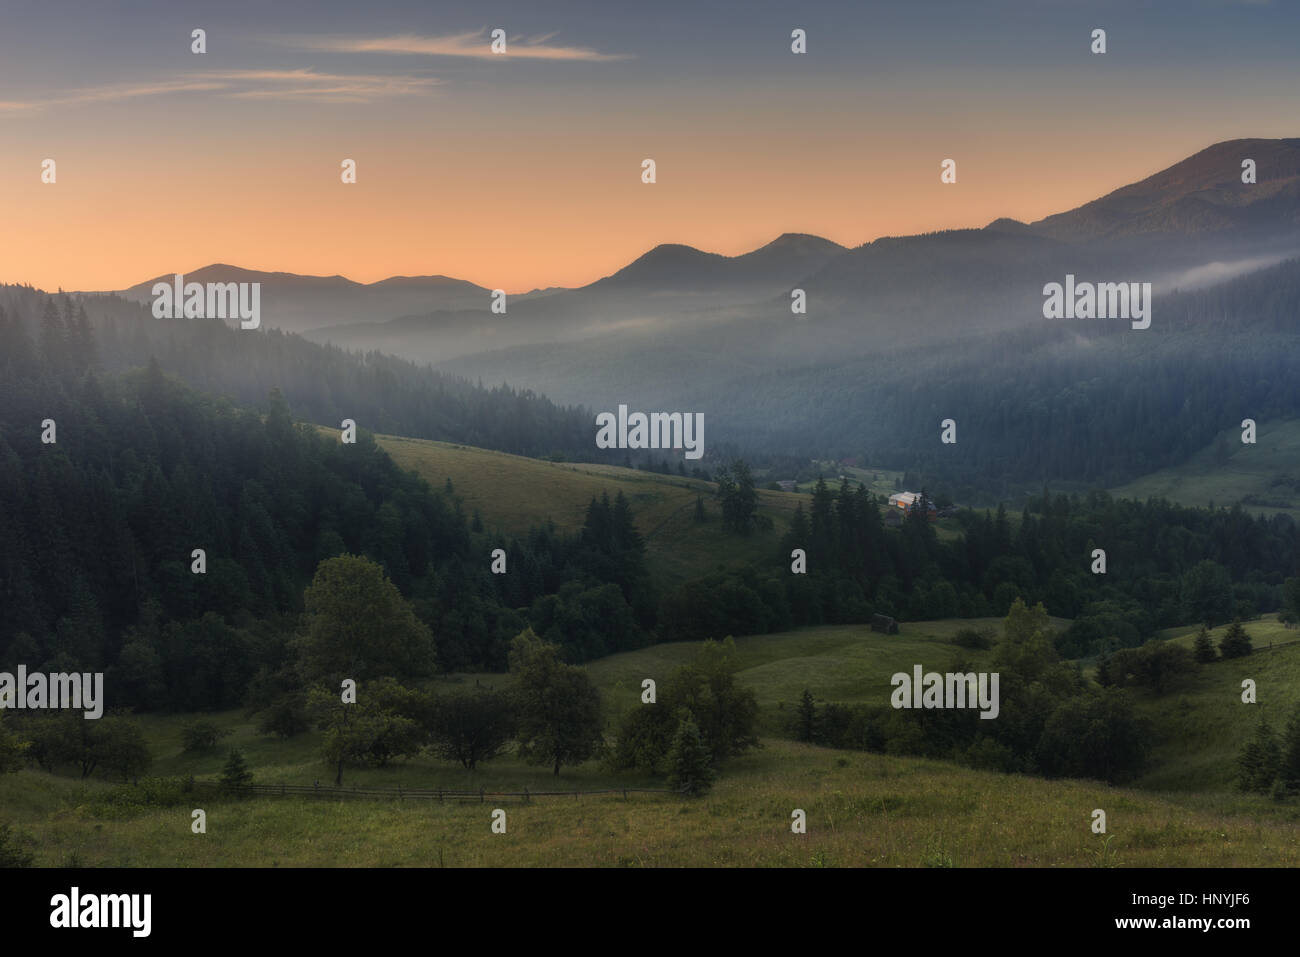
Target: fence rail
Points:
x,y
417,794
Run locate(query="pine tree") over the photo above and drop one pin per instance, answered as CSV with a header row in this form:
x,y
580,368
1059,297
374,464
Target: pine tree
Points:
x,y
53,337
1204,647
689,768
1259,761
806,722
15,348
626,541
1002,532
1235,642
1289,770
235,774
700,517
821,526
87,353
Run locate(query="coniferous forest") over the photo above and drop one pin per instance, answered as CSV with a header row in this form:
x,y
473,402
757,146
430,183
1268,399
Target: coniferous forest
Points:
x,y
101,527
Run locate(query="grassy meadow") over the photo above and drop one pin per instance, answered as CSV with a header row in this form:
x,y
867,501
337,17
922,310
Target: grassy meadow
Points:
x,y
862,809
513,493
1226,471
1202,724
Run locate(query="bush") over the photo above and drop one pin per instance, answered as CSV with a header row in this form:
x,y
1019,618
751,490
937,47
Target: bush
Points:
x,y
201,735
1095,735
644,737
286,717
725,713
976,638
12,853
126,799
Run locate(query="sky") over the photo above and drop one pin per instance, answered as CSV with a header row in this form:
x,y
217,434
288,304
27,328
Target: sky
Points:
x,y
523,170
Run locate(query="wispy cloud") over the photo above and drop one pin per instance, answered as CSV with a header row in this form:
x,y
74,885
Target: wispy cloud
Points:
x,y
475,44
110,92
327,87
302,84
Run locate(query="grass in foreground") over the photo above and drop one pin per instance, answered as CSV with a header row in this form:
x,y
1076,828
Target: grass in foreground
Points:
x,y
862,810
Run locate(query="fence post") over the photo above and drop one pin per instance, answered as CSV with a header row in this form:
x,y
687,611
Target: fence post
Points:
x,y
480,795
526,798
439,795
625,794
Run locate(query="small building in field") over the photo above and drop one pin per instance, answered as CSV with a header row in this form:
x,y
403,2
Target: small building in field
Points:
x,y
787,485
906,501
884,624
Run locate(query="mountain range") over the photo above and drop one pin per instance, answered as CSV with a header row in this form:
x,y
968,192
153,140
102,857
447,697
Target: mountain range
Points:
x,y
1194,213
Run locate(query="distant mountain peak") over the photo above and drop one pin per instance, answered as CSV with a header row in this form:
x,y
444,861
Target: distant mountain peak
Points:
x,y
1005,224
1201,194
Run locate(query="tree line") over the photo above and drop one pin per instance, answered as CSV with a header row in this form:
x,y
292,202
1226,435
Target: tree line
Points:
x,y
321,383
1165,565
166,537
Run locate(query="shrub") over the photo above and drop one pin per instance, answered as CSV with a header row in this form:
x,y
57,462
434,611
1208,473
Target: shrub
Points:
x,y
201,735
286,717
12,853
976,638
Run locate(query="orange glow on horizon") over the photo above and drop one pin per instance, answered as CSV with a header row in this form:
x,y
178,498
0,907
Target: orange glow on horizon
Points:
x,y
564,212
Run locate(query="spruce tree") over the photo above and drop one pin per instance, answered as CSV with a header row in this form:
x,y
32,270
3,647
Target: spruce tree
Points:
x,y
1289,771
53,337
1204,647
87,353
235,774
806,722
689,768
1235,643
1259,761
